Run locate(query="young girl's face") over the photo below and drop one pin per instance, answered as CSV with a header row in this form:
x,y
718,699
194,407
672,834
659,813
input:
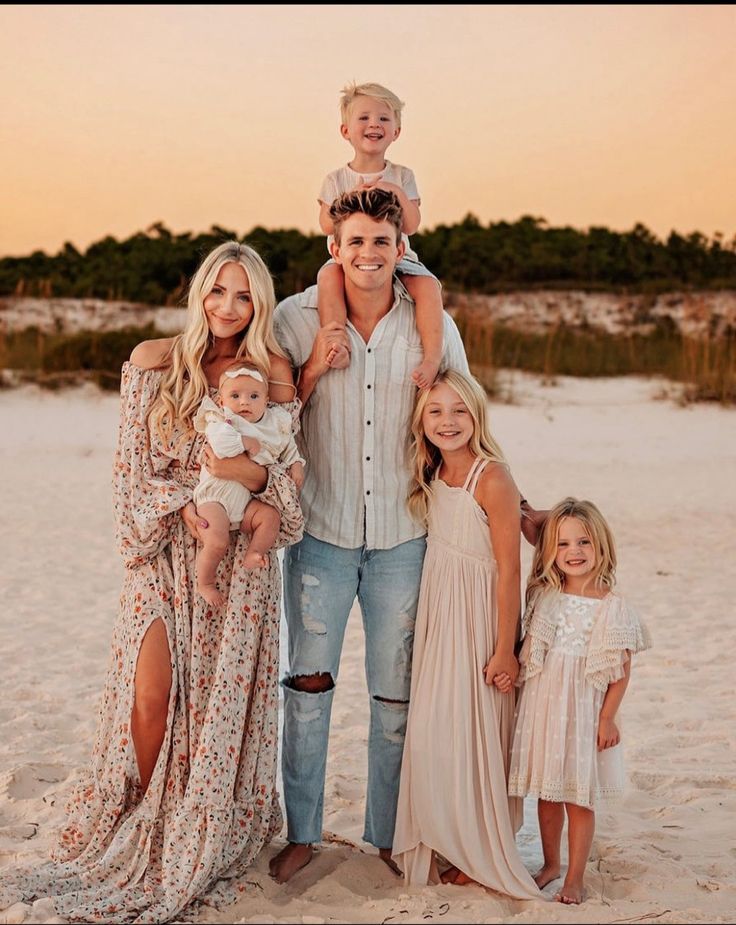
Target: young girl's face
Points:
x,y
575,553
229,307
245,396
371,126
447,422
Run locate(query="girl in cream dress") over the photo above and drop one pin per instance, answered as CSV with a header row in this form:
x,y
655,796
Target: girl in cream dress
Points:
x,y
453,800
575,665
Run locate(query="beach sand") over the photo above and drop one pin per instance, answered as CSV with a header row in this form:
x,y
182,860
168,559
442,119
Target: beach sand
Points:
x,y
665,476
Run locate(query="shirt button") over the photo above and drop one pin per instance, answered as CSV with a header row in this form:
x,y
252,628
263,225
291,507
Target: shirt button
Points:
x,y
368,492
369,350
367,422
368,459
368,385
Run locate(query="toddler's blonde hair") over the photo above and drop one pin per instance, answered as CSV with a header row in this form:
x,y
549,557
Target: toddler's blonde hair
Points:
x,y
350,92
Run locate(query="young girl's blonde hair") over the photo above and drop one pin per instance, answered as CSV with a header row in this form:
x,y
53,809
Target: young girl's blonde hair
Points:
x,y
545,575
426,458
350,92
184,384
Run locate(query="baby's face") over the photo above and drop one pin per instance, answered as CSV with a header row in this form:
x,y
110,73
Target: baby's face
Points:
x,y
245,396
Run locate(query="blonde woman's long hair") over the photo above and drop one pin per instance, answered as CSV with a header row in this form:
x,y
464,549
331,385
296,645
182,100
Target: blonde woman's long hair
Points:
x,y
184,384
426,458
546,576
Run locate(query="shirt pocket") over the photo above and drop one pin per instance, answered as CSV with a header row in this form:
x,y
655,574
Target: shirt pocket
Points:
x,y
405,357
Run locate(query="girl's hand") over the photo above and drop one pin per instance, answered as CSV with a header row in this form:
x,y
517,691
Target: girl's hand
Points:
x,y
502,664
608,734
193,522
503,682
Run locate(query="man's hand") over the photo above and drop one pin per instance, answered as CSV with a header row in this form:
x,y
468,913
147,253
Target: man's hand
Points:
x,y
296,474
193,522
532,522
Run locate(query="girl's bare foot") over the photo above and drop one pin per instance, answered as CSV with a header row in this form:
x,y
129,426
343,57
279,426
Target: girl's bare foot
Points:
x,y
571,894
211,595
425,374
456,876
254,559
546,875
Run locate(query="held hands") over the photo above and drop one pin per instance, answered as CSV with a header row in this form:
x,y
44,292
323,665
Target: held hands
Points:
x,y
331,341
502,670
608,734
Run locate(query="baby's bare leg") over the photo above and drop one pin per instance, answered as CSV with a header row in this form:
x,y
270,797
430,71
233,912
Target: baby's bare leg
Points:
x,y
262,522
427,295
215,541
331,307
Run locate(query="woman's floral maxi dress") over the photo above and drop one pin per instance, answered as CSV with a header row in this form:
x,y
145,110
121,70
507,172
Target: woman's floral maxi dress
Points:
x,y
211,804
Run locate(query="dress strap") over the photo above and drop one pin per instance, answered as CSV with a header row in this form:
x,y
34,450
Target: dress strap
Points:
x,y
477,468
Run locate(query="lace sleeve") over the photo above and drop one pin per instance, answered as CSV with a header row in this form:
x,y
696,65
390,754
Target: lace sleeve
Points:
x,y
617,633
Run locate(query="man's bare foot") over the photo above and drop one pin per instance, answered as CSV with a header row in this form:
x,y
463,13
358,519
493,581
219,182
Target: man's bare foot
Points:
x,y
571,894
425,374
211,595
455,875
546,875
289,860
385,856
338,357
254,559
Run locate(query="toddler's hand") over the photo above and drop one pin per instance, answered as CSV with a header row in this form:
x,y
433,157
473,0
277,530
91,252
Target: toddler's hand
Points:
x,y
251,446
503,682
608,734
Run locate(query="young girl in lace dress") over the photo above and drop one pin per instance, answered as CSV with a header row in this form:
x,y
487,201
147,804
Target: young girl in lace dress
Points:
x,y
575,668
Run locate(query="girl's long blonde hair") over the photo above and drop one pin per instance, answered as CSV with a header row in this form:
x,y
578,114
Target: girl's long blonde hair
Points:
x,y
426,458
184,384
545,575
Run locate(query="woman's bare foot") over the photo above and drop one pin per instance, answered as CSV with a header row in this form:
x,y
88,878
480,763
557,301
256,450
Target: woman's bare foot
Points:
x,y
254,559
571,894
385,855
425,374
289,860
546,875
211,595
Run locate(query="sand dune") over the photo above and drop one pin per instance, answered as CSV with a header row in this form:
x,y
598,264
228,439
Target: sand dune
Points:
x,y
665,477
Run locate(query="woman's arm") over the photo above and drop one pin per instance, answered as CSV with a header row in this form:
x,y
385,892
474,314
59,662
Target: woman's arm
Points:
x,y
153,354
499,498
280,380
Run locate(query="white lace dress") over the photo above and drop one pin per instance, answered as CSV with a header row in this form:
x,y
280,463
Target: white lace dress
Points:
x,y
573,649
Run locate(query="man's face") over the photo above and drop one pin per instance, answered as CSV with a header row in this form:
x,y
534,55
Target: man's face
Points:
x,y
367,252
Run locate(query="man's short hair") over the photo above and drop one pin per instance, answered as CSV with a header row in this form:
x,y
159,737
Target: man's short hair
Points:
x,y
350,92
378,204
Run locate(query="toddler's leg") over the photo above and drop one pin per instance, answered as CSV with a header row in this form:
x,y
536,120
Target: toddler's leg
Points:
x,y
214,545
262,522
331,307
551,819
427,295
580,829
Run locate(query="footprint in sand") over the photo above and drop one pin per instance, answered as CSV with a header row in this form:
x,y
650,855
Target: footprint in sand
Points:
x,y
32,780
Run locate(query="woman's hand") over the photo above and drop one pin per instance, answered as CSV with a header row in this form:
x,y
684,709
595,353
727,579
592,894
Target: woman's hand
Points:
x,y
499,664
193,522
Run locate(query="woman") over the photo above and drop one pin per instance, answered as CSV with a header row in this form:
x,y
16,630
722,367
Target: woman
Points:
x,y
181,789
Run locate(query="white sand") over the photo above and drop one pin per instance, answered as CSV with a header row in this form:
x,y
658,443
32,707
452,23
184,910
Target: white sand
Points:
x,y
666,478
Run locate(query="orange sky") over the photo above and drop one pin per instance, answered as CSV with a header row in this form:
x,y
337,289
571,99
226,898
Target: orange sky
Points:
x,y
115,117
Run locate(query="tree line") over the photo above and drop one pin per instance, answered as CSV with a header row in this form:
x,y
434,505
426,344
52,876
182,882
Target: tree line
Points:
x,y
154,266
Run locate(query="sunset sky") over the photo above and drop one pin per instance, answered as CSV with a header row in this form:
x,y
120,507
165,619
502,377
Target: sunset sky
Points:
x,y
116,117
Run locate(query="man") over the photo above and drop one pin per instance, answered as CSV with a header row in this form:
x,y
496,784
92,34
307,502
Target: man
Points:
x,y
359,538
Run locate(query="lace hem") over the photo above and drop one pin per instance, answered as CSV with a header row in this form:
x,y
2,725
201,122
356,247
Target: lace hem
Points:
x,y
556,791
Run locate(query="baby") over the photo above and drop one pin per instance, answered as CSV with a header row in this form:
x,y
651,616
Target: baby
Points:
x,y
241,422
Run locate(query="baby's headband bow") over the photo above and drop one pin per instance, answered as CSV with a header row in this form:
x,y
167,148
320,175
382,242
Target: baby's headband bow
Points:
x,y
243,371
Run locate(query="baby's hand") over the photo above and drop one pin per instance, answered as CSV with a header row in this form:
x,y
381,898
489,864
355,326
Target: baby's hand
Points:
x,y
608,734
296,473
251,446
